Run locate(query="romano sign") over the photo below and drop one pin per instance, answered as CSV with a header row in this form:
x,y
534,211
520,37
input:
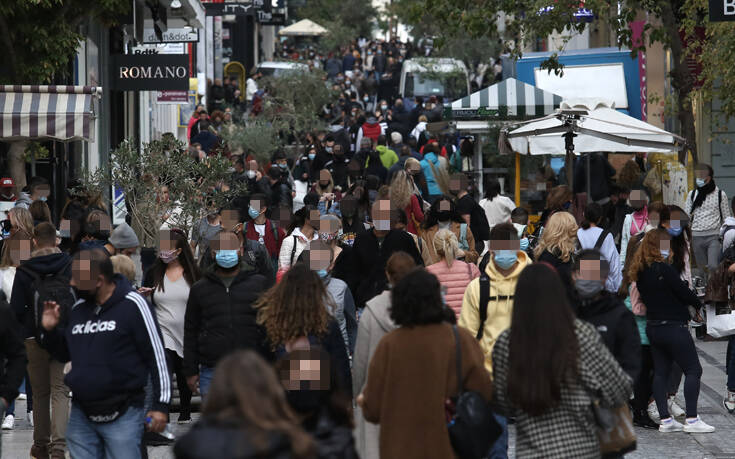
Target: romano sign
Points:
x,y
146,72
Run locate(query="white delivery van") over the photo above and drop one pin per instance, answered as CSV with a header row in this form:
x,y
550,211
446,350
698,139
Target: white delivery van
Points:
x,y
427,76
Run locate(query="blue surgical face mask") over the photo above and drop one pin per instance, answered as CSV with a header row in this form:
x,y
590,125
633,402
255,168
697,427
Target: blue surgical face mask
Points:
x,y
700,182
282,165
253,213
43,198
311,156
322,273
665,254
674,232
227,258
505,258
524,244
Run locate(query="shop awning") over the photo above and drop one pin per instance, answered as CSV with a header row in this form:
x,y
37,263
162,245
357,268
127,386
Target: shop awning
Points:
x,y
47,112
509,99
303,28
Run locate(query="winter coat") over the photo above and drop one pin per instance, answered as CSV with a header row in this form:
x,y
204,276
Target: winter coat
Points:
x,y
564,269
222,319
567,430
431,182
410,411
214,438
455,279
499,312
617,328
665,294
12,355
345,314
470,255
288,255
375,323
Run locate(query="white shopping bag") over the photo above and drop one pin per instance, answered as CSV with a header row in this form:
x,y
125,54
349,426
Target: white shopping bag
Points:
x,y
719,325
301,189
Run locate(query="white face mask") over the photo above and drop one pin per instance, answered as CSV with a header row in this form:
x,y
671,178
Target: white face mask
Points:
x,y
382,225
251,174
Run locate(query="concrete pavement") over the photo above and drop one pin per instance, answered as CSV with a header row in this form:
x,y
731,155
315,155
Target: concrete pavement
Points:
x,y
651,444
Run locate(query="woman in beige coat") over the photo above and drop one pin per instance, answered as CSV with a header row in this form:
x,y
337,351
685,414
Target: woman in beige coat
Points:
x,y
374,324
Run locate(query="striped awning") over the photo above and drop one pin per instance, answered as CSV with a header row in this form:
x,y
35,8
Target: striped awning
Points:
x,y
509,99
47,112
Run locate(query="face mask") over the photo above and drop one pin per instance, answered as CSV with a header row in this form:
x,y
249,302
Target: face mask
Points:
x,y
505,258
444,215
251,174
366,99
323,184
322,273
674,232
665,254
283,166
700,182
347,83
382,225
328,149
348,211
43,198
253,213
312,156
588,288
384,107
227,258
524,244
327,237
167,256
85,295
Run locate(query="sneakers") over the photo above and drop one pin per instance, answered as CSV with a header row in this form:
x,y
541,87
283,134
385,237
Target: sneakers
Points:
x,y
653,412
729,402
674,409
696,425
670,425
22,396
184,418
8,422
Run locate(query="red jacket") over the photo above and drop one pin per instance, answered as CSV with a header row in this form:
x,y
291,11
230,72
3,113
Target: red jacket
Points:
x,y
371,131
414,211
272,245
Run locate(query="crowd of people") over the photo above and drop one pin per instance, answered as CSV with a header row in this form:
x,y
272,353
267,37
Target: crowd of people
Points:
x,y
309,314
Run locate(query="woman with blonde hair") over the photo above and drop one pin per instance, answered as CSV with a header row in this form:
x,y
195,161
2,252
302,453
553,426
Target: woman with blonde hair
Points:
x,y
403,196
454,275
557,246
20,220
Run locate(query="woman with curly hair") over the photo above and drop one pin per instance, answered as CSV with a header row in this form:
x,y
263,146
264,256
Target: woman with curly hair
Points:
x,y
403,196
667,298
246,416
557,246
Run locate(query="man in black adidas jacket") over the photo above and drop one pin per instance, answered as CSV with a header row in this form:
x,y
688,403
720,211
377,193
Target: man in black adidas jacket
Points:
x,y
113,342
220,317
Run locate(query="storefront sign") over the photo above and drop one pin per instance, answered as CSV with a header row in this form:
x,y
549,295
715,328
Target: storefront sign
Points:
x,y
172,97
245,8
188,35
132,72
721,10
265,18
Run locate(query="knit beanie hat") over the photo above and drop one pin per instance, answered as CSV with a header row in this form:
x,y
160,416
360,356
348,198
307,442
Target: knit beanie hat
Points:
x,y
123,237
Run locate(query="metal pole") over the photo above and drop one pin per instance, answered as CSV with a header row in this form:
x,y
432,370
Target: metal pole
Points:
x,y
589,177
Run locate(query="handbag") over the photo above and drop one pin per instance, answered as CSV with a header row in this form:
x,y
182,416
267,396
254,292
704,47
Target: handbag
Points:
x,y
615,430
720,319
470,421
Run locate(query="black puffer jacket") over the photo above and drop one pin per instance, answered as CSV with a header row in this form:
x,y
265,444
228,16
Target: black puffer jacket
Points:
x,y
617,328
209,438
221,319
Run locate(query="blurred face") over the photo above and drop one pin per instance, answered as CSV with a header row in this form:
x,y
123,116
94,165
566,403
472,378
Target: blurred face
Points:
x,y
283,217
253,165
319,259
381,215
323,178
41,192
589,270
497,245
414,170
20,250
82,277
313,218
229,219
678,220
328,225
702,173
226,241
638,199
654,218
305,370
664,245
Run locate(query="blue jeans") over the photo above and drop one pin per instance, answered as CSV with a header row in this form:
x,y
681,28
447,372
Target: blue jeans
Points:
x,y
205,379
499,450
120,439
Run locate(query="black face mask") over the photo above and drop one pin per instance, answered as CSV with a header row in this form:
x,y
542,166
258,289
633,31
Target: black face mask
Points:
x,y
348,211
306,401
86,295
444,215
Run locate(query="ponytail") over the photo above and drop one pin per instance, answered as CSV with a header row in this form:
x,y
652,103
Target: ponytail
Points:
x,y
592,215
446,245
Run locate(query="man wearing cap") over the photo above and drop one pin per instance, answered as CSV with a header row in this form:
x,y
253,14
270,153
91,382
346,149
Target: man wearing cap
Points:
x,y
123,240
7,190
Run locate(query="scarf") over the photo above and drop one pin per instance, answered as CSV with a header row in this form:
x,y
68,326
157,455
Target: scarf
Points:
x,y
640,220
702,194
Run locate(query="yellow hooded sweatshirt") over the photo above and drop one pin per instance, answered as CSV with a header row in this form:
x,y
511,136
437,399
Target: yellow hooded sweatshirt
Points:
x,y
499,312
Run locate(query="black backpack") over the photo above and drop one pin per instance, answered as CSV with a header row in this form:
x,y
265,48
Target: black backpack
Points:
x,y
50,287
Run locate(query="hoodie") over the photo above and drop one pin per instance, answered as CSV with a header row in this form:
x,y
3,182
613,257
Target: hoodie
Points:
x,y
24,200
113,348
617,329
727,233
426,163
375,323
499,312
22,297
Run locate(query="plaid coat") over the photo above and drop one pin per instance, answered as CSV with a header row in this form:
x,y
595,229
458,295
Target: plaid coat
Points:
x,y
567,430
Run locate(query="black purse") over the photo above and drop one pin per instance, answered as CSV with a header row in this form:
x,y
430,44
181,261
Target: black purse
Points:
x,y
471,424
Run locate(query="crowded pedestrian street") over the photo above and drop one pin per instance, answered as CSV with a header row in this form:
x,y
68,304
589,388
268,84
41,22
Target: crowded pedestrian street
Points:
x,y
367,229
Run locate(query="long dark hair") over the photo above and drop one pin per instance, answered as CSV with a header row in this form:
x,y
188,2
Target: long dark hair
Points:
x,y
186,259
432,217
417,300
492,189
680,243
592,215
299,218
543,348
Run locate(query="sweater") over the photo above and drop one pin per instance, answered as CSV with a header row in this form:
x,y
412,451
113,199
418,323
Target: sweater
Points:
x,y
499,312
705,219
665,294
410,411
498,210
455,279
568,429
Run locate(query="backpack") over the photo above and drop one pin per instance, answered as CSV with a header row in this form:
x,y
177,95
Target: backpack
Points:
x,y
485,298
50,287
463,244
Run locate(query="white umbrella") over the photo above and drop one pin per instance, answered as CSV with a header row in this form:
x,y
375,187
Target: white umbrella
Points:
x,y
303,28
597,127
